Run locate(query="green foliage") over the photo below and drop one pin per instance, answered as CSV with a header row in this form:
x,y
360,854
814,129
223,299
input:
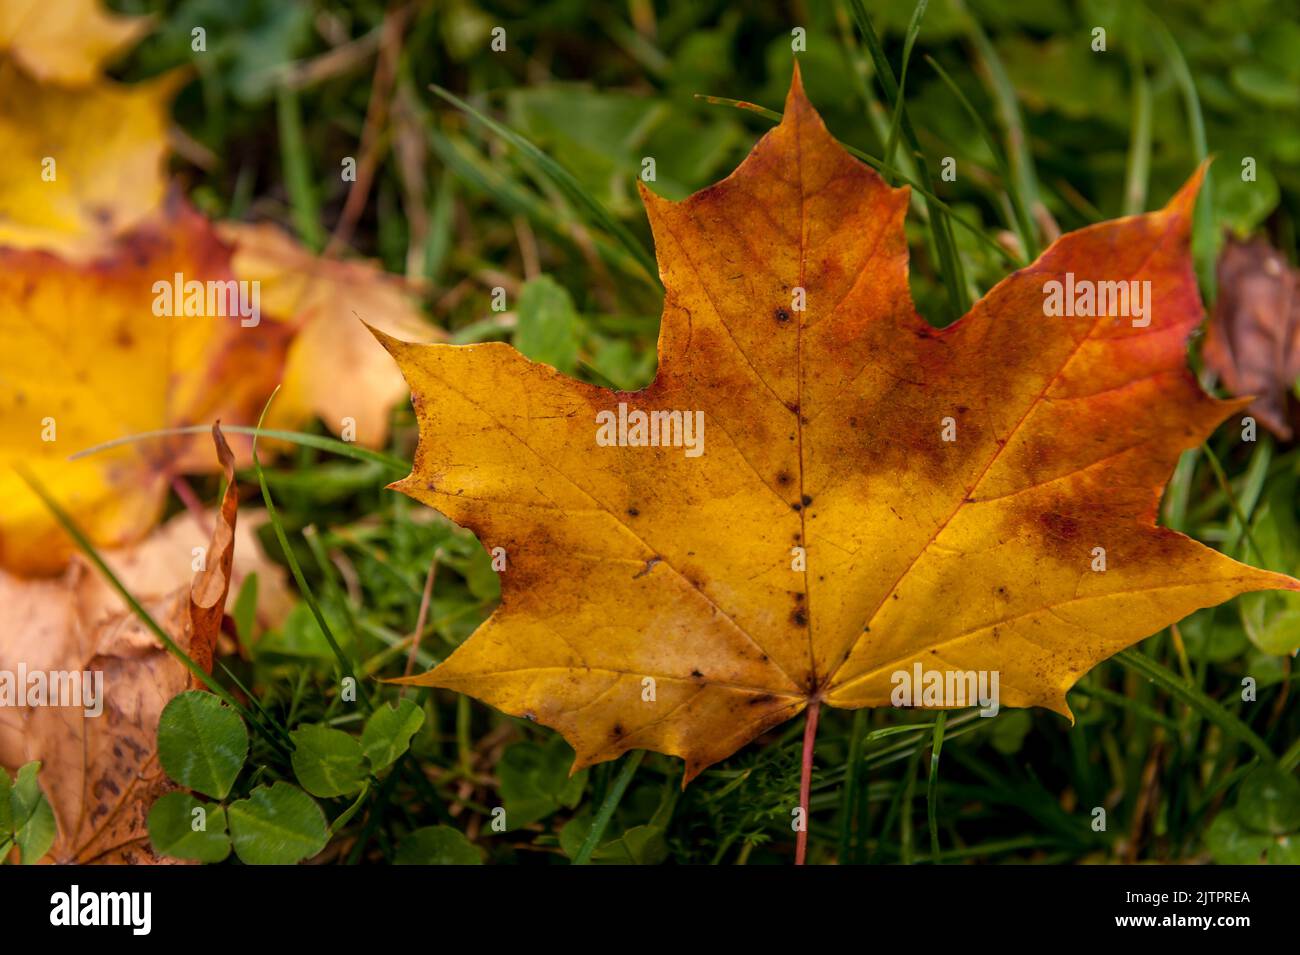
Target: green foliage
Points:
x,y
535,781
182,827
388,733
1269,801
548,327
437,845
26,817
583,837
327,762
202,743
276,825
245,611
1264,826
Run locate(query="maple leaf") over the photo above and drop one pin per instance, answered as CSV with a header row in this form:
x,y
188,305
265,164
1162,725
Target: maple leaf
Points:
x,y
65,41
334,369
101,772
1253,340
649,568
87,361
89,163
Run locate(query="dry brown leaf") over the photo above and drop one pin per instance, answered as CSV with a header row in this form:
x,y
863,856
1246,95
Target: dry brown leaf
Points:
x,y
101,773
1253,342
164,561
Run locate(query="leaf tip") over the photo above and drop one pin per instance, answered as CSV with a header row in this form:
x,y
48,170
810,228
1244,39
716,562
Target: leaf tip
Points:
x,y
388,341
402,486
224,454
693,769
649,198
1061,706
1184,200
796,99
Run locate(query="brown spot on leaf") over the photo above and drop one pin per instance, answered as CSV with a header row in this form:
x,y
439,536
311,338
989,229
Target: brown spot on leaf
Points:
x,y
1060,526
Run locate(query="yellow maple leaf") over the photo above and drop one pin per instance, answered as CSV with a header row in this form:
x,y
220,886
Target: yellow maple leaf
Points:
x,y
85,165
65,41
89,360
858,494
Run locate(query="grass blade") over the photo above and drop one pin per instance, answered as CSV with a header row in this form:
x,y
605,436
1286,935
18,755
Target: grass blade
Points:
x,y
1203,245
1179,490
913,28
1138,171
606,811
564,181
296,569
851,835
950,269
441,209
905,851
483,176
1170,682
317,441
932,787
1024,181
298,180
1020,215
1242,521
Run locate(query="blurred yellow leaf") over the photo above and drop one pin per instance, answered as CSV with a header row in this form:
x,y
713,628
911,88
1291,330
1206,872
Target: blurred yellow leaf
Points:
x,y
336,370
65,41
83,165
87,360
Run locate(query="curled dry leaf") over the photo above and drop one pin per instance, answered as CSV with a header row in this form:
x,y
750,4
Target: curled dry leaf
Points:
x,y
646,567
1253,342
165,560
65,41
86,164
335,370
101,772
88,360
